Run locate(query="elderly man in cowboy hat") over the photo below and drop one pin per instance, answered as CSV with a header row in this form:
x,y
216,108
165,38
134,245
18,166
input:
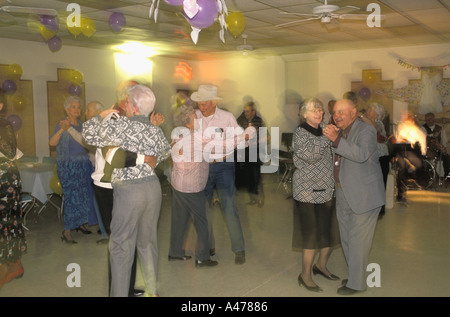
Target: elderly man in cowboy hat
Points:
x,y
221,168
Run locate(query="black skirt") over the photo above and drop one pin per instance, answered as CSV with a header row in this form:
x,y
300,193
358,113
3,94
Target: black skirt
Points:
x,y
315,225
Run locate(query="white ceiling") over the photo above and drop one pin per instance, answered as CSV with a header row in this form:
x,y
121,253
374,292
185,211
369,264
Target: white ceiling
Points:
x,y
406,22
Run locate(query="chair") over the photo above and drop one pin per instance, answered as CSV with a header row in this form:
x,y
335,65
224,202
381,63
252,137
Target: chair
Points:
x,y
29,202
59,207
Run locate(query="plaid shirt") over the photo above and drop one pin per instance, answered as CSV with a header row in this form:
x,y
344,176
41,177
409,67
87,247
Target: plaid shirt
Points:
x,y
134,134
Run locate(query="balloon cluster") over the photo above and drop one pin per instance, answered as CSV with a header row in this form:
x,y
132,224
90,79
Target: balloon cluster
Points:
x,y
76,79
203,13
55,184
48,28
87,27
19,102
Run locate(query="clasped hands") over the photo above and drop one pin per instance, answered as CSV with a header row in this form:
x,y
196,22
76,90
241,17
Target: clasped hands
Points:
x,y
331,132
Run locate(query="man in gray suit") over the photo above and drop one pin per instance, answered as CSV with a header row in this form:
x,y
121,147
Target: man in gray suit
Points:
x,y
359,189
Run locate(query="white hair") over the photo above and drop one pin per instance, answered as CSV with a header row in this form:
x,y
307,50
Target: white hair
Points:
x,y
71,99
142,97
379,109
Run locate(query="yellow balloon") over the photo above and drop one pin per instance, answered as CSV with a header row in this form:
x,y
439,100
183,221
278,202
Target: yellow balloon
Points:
x,y
15,71
76,77
235,23
55,185
87,27
19,102
75,31
46,33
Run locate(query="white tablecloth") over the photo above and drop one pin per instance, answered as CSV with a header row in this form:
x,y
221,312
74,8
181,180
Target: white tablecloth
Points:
x,y
36,179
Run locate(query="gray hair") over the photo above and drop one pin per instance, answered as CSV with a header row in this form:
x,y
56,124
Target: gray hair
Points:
x,y
182,115
142,97
309,104
379,109
71,99
98,105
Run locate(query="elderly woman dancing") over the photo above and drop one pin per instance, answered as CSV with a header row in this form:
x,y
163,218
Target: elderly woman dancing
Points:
x,y
74,171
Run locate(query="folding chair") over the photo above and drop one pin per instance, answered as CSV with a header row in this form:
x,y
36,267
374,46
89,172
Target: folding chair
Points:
x,y
29,203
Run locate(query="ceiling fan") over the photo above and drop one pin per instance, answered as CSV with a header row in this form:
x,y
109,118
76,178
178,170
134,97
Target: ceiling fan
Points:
x,y
245,48
8,10
326,13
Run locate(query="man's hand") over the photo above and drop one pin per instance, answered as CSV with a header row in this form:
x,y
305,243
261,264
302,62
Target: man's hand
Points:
x,y
331,132
151,160
156,119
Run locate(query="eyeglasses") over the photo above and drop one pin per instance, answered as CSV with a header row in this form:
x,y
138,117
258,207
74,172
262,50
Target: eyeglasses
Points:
x,y
316,110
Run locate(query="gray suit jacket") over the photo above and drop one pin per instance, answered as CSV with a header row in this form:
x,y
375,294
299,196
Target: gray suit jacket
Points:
x,y
360,173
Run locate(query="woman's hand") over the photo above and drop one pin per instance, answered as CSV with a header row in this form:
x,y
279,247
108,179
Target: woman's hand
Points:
x,y
156,119
64,124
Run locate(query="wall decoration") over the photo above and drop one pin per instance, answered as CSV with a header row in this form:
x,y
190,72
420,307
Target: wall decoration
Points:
x,y
366,89
57,92
20,107
423,95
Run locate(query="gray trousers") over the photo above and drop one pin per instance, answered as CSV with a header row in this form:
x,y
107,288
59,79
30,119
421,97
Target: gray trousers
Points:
x,y
185,206
134,225
356,231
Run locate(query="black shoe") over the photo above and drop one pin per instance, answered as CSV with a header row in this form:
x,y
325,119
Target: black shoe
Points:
x,y
180,258
344,290
205,263
331,277
212,251
240,257
138,292
83,230
301,282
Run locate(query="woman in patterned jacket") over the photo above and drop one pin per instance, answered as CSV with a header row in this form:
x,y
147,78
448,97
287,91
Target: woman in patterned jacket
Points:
x,y
315,224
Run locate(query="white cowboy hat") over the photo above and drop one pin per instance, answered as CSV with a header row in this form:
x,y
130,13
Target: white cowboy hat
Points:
x,y
205,93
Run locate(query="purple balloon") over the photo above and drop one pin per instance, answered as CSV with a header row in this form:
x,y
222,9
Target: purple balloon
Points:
x,y
117,21
54,44
75,90
174,2
15,121
50,22
9,86
364,93
207,14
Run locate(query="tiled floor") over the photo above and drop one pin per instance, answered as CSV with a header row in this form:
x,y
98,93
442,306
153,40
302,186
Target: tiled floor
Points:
x,y
411,246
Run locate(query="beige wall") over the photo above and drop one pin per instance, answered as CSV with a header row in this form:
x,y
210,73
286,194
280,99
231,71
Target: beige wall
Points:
x,y
276,84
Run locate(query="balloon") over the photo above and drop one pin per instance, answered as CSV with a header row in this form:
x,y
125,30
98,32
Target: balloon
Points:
x,y
15,121
206,15
88,27
9,86
117,21
76,77
50,22
54,44
364,93
19,102
46,33
15,71
174,2
75,31
75,90
55,185
235,23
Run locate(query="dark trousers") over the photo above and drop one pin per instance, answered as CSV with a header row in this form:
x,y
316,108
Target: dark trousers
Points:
x,y
104,197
